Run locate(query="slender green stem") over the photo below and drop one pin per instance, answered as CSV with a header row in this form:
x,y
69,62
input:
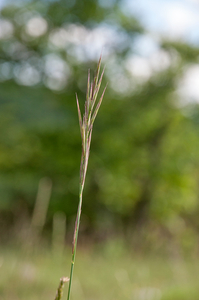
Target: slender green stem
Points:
x,y
83,169
75,241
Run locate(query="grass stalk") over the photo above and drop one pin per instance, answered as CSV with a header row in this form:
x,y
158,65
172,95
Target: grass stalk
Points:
x,y
92,105
60,288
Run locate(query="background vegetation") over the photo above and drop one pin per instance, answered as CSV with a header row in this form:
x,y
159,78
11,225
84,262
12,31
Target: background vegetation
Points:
x,y
142,183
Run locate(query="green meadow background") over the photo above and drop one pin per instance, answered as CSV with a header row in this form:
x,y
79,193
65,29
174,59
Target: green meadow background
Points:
x,y
139,227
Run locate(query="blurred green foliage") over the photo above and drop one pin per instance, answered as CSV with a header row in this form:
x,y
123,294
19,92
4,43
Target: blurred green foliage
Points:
x,y
143,169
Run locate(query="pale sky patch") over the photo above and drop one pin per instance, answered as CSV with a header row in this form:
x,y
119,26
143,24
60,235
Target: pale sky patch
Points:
x,y
173,18
57,72
6,29
188,85
26,74
36,26
139,67
179,20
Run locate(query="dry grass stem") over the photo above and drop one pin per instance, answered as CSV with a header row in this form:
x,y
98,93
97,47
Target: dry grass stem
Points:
x,y
60,288
92,105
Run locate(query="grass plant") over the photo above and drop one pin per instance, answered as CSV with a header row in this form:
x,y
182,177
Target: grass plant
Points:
x,y
92,105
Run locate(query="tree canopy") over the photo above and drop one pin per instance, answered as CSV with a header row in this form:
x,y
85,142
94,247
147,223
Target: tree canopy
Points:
x,y
144,159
